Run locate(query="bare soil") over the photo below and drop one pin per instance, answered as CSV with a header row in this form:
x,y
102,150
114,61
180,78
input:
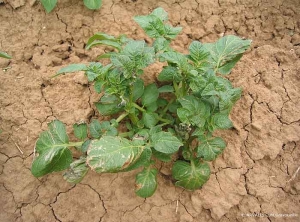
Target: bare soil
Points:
x,y
257,173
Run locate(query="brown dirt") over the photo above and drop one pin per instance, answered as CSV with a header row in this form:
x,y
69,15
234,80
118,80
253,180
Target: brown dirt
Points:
x,y
252,175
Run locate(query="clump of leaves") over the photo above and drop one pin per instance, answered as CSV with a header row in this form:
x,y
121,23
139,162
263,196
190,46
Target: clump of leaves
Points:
x,y
49,5
177,116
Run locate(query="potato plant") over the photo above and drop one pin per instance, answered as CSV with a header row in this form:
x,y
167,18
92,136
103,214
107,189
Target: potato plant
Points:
x,y
49,5
171,120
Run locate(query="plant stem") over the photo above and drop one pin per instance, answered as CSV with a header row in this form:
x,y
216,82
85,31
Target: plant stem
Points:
x,y
121,117
138,107
166,108
75,143
164,120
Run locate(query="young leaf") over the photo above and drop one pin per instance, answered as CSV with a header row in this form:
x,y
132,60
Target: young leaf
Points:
x,y
210,149
190,176
209,90
5,55
168,74
226,52
84,147
108,105
107,129
77,171
165,142
92,4
228,98
160,13
99,86
49,4
146,183
95,129
221,121
171,32
198,52
193,111
165,89
71,68
98,129
93,70
138,89
103,39
161,45
112,154
151,24
80,130
150,119
150,94
51,160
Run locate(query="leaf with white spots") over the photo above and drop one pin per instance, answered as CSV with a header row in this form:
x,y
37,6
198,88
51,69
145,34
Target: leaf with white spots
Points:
x,y
112,154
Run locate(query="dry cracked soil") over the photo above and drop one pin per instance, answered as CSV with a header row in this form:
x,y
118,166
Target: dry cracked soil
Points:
x,y
255,179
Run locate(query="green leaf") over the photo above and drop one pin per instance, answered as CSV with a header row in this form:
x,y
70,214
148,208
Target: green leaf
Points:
x,y
172,32
162,156
168,74
107,129
108,105
193,111
49,4
175,58
98,86
52,149
143,160
103,39
51,160
98,129
161,44
209,90
138,89
77,171
150,94
149,119
146,183
198,52
54,138
112,154
221,121
80,130
71,68
151,24
134,57
92,4
190,176
228,98
95,129
197,83
84,147
210,149
165,142
5,55
160,13
166,89
93,70
226,52
152,107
